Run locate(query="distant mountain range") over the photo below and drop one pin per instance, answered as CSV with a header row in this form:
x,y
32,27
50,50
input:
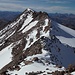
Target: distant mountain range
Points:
x,y
7,17
64,19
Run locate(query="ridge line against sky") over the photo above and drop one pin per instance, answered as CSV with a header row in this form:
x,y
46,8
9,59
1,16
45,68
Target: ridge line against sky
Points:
x,y
50,6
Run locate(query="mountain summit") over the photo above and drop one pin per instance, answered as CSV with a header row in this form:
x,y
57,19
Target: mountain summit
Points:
x,y
32,43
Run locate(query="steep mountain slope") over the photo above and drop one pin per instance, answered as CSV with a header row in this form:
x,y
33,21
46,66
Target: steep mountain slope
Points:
x,y
64,34
32,41
65,19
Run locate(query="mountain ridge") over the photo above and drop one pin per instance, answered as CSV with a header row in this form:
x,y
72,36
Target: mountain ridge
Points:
x,y
29,41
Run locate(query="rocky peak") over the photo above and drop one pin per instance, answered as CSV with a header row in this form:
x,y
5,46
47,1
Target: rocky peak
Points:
x,y
29,10
23,36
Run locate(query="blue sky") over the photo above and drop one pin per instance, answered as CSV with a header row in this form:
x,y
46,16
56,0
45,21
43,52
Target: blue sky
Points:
x,y
50,6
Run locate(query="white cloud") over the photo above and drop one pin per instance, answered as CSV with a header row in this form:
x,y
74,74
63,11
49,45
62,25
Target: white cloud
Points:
x,y
54,9
20,6
11,7
56,1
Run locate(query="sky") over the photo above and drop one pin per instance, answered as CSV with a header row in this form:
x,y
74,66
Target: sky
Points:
x,y
50,6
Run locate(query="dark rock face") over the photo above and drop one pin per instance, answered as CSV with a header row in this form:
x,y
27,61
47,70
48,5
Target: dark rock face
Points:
x,y
34,49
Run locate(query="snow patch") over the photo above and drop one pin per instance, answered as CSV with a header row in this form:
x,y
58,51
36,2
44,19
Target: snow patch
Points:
x,y
28,20
30,26
5,56
28,9
46,23
36,67
73,73
32,35
64,34
10,34
68,41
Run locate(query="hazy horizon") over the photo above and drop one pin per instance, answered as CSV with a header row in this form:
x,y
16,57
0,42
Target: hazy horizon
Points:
x,y
50,6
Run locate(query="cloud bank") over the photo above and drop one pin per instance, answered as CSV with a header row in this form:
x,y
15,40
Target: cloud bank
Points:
x,y
50,6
